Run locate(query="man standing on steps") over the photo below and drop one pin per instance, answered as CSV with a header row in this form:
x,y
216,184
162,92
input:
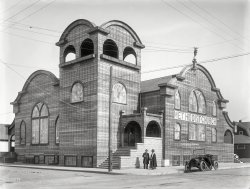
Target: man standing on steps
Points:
x,y
145,156
153,162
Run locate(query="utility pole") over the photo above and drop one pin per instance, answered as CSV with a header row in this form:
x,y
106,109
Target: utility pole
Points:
x,y
110,117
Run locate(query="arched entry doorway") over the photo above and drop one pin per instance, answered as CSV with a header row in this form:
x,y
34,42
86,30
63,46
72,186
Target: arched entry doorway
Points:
x,y
12,143
153,129
132,134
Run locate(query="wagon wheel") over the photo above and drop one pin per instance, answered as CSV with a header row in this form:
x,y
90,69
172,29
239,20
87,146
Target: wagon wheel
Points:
x,y
216,165
203,166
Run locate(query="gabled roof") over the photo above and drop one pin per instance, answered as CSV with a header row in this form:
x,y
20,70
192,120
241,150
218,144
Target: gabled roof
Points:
x,y
245,126
152,84
241,139
53,78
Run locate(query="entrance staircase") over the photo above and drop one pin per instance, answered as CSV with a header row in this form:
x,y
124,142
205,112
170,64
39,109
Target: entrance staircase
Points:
x,y
131,157
126,157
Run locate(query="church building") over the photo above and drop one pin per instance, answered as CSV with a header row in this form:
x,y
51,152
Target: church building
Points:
x,y
99,99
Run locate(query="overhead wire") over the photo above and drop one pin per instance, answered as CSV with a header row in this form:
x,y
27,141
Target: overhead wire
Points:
x,y
49,94
11,7
35,85
219,20
201,24
29,15
210,22
36,27
22,10
204,18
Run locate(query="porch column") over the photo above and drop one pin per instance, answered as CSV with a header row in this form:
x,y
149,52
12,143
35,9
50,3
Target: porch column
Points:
x,y
121,129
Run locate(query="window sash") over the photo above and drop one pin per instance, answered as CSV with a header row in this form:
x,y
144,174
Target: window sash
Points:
x,y
177,132
177,100
22,133
201,132
214,135
35,131
44,131
192,132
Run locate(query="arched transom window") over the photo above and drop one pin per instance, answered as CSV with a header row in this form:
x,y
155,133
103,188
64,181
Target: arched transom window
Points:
x,y
177,100
40,124
77,92
197,102
119,93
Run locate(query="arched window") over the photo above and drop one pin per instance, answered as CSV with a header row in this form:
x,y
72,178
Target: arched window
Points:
x,y
129,55
192,102
69,53
201,102
228,137
40,124
214,111
214,135
132,134
87,47
153,129
119,93
177,131
197,102
177,100
57,130
22,133
110,48
77,92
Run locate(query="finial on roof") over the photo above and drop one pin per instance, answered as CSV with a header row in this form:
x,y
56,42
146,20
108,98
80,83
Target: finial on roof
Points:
x,y
194,59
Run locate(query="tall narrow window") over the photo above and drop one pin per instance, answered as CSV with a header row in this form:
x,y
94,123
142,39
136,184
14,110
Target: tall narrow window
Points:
x,y
214,111
40,124
22,133
201,102
77,92
177,131
214,135
57,130
201,133
192,132
177,100
192,102
228,137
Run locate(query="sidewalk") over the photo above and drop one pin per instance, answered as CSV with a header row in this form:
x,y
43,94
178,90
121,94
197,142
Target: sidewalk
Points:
x,y
131,171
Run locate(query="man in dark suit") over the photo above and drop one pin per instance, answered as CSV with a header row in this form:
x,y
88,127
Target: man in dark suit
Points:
x,y
145,156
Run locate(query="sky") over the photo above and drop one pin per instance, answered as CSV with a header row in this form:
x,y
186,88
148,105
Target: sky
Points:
x,y
169,29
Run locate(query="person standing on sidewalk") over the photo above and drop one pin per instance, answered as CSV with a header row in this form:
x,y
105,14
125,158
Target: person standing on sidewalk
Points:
x,y
145,156
153,162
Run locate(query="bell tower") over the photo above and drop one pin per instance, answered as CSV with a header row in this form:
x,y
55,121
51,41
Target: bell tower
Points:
x,y
86,54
